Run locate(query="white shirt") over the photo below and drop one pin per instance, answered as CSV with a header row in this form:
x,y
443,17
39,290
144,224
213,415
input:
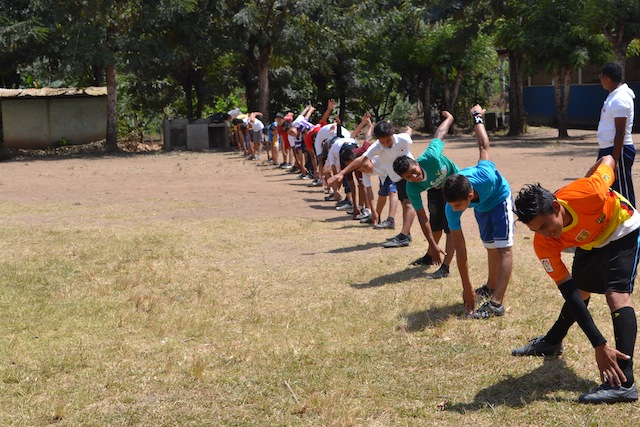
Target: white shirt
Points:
x,y
400,147
257,125
377,170
618,104
324,134
334,152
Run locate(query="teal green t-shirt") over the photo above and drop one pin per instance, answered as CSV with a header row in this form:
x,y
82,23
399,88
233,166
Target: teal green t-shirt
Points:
x,y
437,167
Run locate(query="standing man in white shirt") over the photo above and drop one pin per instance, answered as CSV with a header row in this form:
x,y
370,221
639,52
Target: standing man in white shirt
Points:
x,y
614,128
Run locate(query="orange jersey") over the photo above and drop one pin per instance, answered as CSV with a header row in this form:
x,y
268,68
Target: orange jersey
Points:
x,y
596,211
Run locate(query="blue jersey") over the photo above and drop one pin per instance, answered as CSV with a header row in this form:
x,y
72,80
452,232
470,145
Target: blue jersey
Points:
x,y
491,187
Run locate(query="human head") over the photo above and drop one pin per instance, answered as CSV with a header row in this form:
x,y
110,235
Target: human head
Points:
x,y
383,131
408,168
226,117
279,118
539,210
613,71
457,191
347,156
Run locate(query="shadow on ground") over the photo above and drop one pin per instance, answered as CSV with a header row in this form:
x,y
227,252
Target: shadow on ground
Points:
x,y
516,392
392,278
420,320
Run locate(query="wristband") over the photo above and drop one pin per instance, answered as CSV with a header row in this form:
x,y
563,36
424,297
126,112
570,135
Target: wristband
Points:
x,y
577,307
477,117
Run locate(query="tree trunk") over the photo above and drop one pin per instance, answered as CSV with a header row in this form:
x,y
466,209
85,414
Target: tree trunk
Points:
x,y
516,102
561,88
199,86
423,87
263,80
112,116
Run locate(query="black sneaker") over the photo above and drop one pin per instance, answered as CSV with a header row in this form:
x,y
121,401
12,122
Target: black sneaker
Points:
x,y
484,291
397,242
538,347
487,310
440,273
329,197
607,394
423,260
397,236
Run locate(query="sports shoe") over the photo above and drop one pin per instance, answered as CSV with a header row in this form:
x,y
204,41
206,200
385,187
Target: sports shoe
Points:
x,y
288,166
607,394
397,242
423,260
385,225
342,202
345,206
398,236
364,213
329,197
367,220
484,291
487,310
538,347
440,273
315,183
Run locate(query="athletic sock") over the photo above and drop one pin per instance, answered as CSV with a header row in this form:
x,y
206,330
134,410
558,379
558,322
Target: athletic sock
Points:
x,y
625,329
559,329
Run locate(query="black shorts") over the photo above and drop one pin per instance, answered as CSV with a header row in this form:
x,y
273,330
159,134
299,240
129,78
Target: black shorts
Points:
x,y
436,206
401,186
610,268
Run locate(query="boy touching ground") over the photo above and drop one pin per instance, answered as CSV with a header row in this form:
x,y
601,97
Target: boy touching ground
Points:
x,y
483,188
427,174
603,226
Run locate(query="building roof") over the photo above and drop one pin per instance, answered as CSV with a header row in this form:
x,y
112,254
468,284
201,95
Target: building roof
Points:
x,y
47,92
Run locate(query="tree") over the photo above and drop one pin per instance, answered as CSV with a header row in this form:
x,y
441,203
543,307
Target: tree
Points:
x,y
560,43
619,21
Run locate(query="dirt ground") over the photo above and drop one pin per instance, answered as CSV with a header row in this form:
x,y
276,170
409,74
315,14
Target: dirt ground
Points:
x,y
178,185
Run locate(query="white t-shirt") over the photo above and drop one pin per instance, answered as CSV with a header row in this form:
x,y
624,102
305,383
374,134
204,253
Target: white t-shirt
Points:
x,y
325,133
257,125
334,152
400,147
234,113
377,170
618,104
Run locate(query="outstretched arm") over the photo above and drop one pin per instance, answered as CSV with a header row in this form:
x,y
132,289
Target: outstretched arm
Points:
x,y
443,129
330,106
366,118
607,160
481,132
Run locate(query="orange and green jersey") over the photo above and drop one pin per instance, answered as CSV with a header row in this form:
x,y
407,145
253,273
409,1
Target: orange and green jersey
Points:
x,y
597,213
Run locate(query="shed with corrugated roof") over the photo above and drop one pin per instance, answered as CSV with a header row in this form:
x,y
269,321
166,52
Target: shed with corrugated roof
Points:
x,y
41,118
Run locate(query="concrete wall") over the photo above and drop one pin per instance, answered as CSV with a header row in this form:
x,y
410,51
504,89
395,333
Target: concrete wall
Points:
x,y
36,123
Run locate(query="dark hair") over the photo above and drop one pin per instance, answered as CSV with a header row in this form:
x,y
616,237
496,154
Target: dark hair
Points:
x,y
382,128
286,126
226,116
533,200
613,71
347,156
456,188
401,164
280,116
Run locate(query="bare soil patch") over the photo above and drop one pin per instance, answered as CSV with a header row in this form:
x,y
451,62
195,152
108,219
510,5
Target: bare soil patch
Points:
x,y
161,186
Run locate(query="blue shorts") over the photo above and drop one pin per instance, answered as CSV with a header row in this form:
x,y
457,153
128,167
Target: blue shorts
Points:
x,y
496,226
387,187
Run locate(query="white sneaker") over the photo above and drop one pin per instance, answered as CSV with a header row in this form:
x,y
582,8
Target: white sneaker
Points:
x,y
365,213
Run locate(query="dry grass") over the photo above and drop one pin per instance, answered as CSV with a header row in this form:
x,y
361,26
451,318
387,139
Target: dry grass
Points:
x,y
281,321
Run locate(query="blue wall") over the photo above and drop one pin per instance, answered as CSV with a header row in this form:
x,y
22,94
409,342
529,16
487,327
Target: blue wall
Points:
x,y
585,102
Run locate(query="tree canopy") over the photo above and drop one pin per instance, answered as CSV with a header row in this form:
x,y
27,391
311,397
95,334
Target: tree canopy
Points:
x,y
192,58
